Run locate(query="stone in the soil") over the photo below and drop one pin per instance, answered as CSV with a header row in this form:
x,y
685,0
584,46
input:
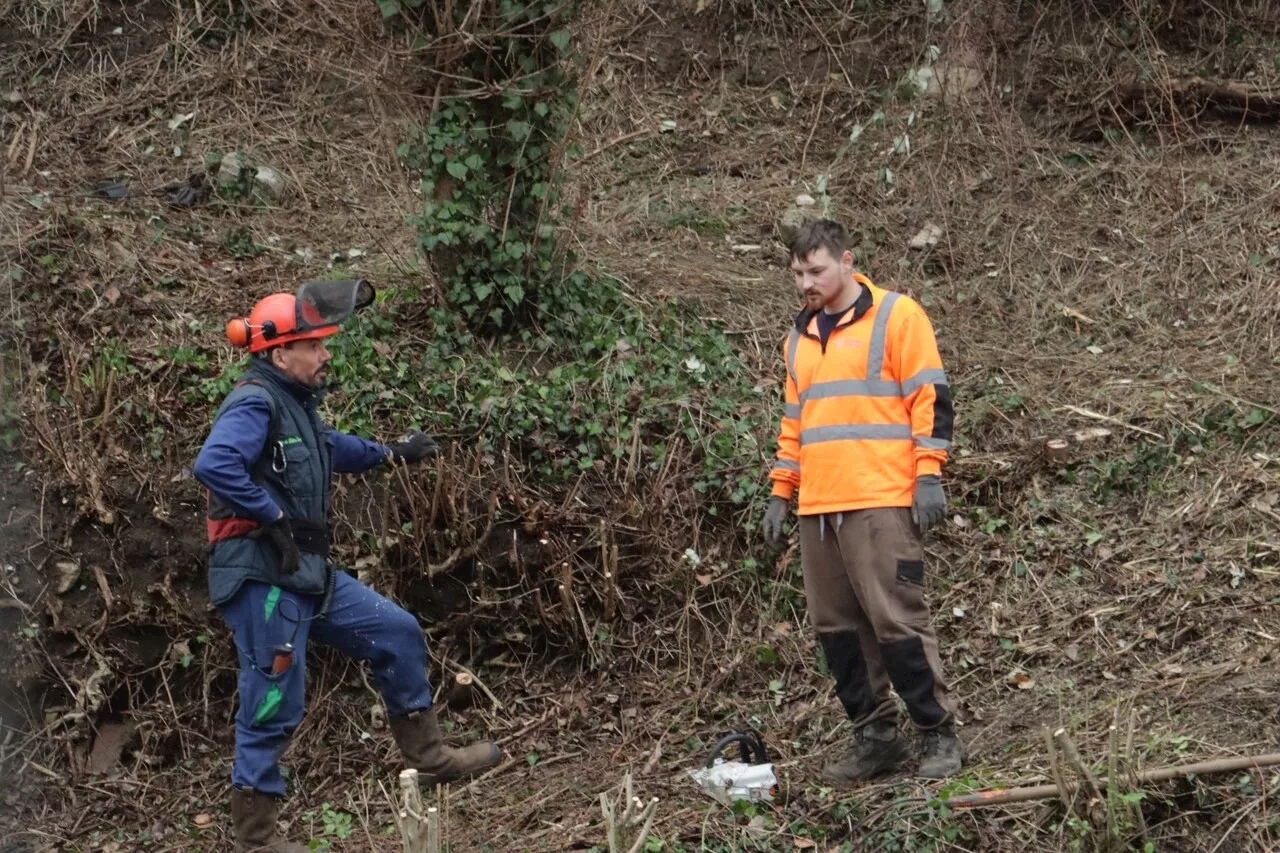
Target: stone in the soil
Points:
x,y
267,183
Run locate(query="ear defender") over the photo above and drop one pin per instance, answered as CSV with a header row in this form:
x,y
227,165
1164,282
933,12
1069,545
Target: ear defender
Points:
x,y
238,332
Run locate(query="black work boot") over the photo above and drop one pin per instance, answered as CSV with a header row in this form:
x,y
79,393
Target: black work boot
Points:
x,y
420,741
877,748
941,753
253,816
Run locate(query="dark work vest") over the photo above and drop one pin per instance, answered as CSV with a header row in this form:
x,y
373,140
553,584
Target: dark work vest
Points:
x,y
296,469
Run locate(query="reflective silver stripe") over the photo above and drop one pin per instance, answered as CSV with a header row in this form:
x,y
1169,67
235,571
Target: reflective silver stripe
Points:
x,y
927,443
875,353
792,410
850,388
793,343
854,432
928,376
787,465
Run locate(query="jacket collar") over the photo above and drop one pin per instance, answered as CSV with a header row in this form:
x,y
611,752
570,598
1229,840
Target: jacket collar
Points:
x,y
264,371
852,315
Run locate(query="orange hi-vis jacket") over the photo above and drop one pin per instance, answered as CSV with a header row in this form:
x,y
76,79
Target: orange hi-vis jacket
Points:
x,y
866,414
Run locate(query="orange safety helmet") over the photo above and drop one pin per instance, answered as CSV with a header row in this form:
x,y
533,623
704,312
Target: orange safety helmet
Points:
x,y
314,312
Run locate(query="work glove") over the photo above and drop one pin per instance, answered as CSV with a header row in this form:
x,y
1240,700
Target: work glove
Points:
x,y
774,516
415,448
281,535
930,504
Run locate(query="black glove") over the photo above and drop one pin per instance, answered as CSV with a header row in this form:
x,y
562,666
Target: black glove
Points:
x,y
415,448
281,535
774,516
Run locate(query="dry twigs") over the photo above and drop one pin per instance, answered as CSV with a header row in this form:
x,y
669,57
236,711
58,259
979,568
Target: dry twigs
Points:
x,y
629,830
419,827
1130,274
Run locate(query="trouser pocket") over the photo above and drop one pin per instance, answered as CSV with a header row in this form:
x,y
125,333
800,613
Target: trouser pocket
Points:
x,y
911,571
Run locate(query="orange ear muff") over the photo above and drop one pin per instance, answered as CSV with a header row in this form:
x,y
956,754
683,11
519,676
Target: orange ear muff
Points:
x,y
238,332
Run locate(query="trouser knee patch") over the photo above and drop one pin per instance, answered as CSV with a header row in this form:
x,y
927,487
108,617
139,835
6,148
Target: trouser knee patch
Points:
x,y
913,678
269,707
849,668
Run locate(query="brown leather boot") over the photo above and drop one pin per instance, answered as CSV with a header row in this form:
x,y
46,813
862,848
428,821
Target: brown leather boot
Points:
x,y
422,745
878,748
942,754
254,817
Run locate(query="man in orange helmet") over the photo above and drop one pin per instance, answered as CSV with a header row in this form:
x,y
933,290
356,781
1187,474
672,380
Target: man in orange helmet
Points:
x,y
866,428
268,466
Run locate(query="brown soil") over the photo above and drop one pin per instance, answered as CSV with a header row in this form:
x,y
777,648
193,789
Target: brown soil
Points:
x,y
1100,267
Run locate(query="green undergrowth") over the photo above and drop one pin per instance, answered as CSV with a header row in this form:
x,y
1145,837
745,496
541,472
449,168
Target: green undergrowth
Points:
x,y
626,381
521,350
528,349
525,351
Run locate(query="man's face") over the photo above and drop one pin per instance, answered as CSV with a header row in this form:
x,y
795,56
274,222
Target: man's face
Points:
x,y
305,362
822,280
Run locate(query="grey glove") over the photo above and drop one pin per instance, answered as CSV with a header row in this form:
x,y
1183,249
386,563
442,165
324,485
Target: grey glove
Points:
x,y
415,448
774,516
930,504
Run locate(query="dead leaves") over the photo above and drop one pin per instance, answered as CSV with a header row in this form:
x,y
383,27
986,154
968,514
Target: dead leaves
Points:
x,y
1020,680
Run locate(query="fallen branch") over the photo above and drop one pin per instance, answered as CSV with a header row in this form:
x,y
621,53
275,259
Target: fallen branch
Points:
x,y
1198,99
626,137
1192,101
1098,416
1003,796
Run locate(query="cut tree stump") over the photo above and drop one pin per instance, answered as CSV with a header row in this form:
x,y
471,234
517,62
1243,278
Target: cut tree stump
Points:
x,y
1057,450
462,693
419,827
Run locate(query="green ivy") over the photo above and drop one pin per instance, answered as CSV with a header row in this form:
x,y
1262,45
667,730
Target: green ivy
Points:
x,y
527,352
564,404
577,375
490,167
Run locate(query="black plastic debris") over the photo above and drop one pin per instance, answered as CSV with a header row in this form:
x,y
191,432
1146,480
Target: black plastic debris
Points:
x,y
109,189
194,190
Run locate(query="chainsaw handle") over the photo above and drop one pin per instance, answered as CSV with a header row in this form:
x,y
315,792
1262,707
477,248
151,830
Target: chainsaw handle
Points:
x,y
751,747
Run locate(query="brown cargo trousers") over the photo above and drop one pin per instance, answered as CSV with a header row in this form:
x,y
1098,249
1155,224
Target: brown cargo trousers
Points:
x,y
864,582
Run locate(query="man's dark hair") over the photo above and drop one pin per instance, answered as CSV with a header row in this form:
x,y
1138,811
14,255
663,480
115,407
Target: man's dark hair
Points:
x,y
266,353
820,234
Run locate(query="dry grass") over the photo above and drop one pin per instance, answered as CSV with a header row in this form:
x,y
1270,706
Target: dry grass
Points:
x,y
1119,276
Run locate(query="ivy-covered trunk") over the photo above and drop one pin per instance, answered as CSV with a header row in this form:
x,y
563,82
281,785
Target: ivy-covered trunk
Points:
x,y
490,157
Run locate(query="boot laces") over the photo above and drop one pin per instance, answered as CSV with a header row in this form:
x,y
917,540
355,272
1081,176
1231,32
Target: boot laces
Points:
x,y
933,740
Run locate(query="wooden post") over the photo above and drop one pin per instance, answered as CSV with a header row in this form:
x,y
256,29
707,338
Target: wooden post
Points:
x,y
476,683
413,826
433,830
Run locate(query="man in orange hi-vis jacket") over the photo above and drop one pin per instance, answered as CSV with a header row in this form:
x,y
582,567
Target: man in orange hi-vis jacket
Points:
x,y
866,429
